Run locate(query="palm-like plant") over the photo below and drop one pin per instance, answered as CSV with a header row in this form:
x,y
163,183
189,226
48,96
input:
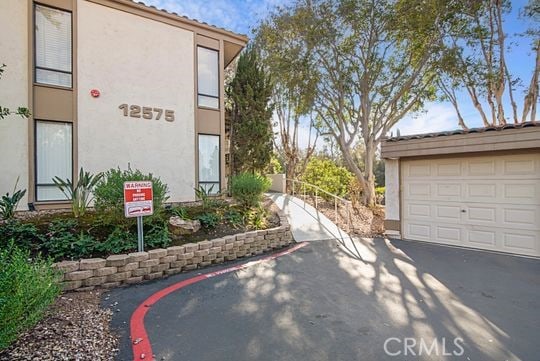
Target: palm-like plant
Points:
x,y
80,193
8,203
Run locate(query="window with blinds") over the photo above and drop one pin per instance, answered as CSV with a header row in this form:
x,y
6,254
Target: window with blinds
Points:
x,y
52,46
53,158
209,169
208,78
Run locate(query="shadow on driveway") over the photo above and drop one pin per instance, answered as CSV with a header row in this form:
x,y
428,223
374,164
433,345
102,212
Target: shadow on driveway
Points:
x,y
326,303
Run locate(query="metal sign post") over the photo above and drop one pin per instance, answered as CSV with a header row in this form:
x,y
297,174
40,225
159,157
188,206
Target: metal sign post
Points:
x,y
138,202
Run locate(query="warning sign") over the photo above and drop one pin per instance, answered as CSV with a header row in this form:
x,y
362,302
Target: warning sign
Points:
x,y
138,199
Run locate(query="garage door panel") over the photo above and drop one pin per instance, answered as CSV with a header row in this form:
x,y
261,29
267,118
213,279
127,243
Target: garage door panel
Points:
x,y
448,234
480,167
476,214
476,238
481,202
447,213
521,242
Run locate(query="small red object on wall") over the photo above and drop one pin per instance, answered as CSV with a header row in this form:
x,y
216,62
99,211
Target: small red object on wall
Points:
x,y
95,93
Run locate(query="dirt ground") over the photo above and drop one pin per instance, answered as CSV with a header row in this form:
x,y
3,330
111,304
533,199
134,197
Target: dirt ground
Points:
x,y
364,221
74,328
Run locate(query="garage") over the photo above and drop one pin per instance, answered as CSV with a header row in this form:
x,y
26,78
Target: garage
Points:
x,y
476,189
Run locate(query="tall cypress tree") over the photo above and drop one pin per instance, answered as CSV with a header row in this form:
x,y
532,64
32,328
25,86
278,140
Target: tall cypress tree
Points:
x,y
250,114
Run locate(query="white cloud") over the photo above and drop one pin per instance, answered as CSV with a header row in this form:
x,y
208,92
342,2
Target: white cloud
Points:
x,y
437,117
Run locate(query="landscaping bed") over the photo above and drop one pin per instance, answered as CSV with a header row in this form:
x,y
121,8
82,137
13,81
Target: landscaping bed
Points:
x,y
74,328
365,221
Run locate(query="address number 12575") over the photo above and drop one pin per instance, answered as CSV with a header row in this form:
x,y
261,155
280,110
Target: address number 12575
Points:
x,y
136,111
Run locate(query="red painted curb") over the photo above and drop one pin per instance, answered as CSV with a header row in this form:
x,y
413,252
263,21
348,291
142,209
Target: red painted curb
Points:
x,y
142,349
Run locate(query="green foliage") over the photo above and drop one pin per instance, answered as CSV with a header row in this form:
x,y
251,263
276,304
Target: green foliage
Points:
x,y
274,167
325,174
64,240
234,218
209,220
27,288
248,189
4,112
9,203
256,217
23,235
156,234
250,115
205,196
378,171
109,193
118,241
180,211
79,193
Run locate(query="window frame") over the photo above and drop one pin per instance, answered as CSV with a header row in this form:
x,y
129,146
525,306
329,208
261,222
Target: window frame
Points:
x,y
35,66
199,182
36,184
218,97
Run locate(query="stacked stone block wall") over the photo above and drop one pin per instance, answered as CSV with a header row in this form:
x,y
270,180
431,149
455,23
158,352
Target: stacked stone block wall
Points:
x,y
125,269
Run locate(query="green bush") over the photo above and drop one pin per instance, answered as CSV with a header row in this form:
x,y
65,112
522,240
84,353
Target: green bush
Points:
x,y
64,240
209,220
80,193
180,211
256,217
234,218
379,194
248,189
156,234
325,174
24,235
118,241
27,288
9,203
109,193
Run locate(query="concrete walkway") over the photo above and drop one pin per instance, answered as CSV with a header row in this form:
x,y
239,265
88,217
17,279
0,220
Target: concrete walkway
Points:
x,y
307,224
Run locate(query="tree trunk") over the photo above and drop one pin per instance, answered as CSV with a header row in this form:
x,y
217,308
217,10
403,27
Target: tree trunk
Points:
x,y
369,197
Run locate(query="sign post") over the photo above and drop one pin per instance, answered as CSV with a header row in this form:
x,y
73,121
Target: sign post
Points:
x,y
138,202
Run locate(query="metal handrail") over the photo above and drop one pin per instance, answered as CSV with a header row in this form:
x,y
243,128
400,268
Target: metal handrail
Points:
x,y
318,189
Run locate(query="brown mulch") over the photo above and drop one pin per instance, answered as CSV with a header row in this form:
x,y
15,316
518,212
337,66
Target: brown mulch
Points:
x,y
365,221
74,328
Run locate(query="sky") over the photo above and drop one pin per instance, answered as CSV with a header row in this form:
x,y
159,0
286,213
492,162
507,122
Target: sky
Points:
x,y
242,16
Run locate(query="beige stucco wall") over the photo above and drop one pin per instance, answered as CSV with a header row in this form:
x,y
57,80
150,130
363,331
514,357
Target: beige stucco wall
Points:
x,y
391,173
14,93
137,61
279,183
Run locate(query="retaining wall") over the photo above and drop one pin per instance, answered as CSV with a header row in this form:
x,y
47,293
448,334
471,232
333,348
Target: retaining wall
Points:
x,y
121,269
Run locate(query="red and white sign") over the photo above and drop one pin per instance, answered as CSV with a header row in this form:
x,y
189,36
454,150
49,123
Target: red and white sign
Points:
x,y
138,199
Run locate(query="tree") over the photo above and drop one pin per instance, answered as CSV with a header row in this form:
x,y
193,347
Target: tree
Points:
x,y
250,115
369,64
475,62
293,90
4,111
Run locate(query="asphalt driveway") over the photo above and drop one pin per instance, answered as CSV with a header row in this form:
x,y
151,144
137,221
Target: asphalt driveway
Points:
x,y
380,300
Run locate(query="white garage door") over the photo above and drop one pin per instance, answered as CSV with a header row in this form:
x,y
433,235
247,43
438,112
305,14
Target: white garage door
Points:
x,y
488,202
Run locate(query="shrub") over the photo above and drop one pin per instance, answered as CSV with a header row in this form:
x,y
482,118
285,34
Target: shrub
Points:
x,y
247,189
27,288
65,241
256,217
118,241
23,235
325,174
234,218
109,193
157,235
206,196
180,211
79,193
379,194
9,203
209,220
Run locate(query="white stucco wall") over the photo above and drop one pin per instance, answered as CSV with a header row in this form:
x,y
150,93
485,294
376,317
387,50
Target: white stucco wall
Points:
x,y
14,93
391,176
134,60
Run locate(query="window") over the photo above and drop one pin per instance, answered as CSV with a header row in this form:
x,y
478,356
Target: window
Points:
x,y
53,158
52,46
208,78
209,159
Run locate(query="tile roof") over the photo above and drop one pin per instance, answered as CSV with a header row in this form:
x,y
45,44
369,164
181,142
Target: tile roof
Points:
x,y
464,131
187,18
